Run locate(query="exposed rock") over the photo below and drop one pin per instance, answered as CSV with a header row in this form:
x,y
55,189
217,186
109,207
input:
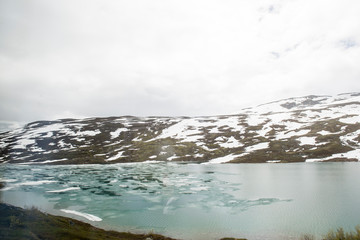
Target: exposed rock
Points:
x,y
312,128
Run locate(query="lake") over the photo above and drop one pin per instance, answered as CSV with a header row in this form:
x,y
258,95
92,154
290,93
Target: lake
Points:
x,y
194,201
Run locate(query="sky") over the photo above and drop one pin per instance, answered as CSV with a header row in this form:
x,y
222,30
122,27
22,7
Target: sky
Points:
x,y
91,58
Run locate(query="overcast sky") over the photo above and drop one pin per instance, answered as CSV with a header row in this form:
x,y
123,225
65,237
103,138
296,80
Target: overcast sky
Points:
x,y
84,58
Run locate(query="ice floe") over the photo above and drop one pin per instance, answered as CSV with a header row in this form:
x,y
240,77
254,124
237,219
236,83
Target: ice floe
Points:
x,y
35,183
64,190
85,215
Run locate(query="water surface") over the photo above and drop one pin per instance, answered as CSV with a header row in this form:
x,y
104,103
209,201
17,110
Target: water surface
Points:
x,y
192,201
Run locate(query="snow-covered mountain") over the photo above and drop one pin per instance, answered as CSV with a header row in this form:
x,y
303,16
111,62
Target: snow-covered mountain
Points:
x,y
311,128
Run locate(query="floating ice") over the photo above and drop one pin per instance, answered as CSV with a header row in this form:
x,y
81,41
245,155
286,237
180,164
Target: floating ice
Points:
x,y
34,183
64,190
85,215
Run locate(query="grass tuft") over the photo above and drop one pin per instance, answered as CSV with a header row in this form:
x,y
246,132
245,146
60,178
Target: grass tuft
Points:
x,y
340,234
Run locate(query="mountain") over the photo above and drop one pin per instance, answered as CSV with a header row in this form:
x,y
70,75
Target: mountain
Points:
x,y
311,128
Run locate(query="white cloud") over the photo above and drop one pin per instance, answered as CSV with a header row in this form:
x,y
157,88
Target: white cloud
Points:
x,y
100,58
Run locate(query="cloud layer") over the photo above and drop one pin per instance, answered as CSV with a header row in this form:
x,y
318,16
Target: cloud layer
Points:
x,y
101,58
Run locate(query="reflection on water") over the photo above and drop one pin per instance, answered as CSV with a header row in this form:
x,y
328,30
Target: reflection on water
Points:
x,y
260,201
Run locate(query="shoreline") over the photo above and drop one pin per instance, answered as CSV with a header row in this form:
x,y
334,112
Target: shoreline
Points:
x,y
20,223
33,224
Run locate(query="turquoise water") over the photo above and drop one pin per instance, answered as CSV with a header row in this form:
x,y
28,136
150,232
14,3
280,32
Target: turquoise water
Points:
x,y
192,201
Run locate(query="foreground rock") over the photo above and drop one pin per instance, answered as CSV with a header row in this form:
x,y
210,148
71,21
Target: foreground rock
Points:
x,y
312,128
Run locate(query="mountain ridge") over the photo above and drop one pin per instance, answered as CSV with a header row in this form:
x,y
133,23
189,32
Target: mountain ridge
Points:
x,y
310,128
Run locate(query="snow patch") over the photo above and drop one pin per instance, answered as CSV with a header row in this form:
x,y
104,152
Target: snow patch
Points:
x,y
117,156
307,140
354,154
22,143
273,161
350,138
89,133
137,139
185,129
255,119
117,132
64,145
172,157
258,146
193,138
214,130
292,134
231,143
350,120
52,161
224,159
323,132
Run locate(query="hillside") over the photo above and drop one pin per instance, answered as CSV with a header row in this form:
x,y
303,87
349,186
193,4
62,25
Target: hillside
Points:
x,y
311,128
